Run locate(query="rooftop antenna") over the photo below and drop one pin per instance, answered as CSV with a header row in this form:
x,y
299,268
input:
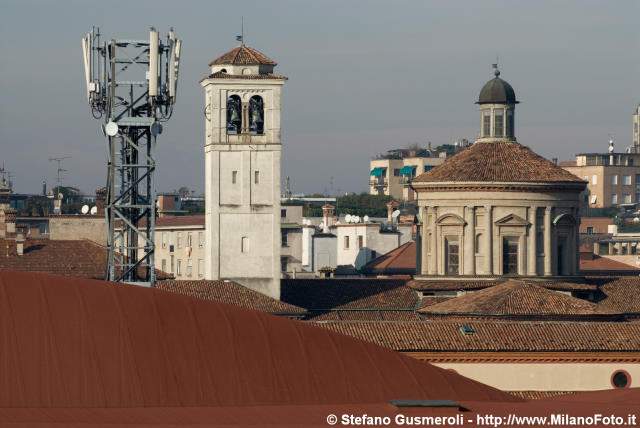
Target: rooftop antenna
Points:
x,y
287,192
240,38
60,169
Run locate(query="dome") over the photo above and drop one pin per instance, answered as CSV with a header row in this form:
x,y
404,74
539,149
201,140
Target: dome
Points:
x,y
497,91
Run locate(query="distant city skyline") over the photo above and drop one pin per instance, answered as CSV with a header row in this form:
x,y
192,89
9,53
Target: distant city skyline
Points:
x,y
364,77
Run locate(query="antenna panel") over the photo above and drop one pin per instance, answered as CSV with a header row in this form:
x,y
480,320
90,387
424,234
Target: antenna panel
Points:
x,y
153,63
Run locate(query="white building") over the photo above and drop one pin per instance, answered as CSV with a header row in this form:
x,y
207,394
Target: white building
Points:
x,y
242,168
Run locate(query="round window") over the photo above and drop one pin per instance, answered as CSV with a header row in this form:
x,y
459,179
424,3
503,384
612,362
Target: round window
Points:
x,y
620,379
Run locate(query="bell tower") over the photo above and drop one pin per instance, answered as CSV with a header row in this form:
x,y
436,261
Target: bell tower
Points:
x,y
242,170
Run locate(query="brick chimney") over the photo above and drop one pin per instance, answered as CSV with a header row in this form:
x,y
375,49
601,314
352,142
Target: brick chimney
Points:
x,y
10,223
20,244
101,198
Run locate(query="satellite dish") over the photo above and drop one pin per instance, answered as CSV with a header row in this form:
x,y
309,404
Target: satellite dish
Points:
x,y
395,214
347,218
321,225
636,219
111,129
366,218
94,210
85,209
356,219
60,196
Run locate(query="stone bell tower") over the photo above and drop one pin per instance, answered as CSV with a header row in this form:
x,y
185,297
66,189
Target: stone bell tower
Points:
x,y
242,163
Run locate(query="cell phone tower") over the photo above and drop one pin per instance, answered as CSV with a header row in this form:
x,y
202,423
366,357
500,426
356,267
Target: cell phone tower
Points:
x,y
131,86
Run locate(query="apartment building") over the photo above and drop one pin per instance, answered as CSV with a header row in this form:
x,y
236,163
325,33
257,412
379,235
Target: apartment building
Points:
x,y
390,175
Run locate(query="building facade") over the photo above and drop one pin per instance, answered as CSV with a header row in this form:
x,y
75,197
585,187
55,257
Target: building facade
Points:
x,y
242,170
497,208
391,177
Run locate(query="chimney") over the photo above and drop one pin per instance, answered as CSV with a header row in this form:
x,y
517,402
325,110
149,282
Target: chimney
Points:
x,y
20,244
101,197
10,222
555,161
327,216
391,207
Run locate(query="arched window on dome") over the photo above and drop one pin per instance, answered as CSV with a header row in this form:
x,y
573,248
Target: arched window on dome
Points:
x,y
234,115
256,115
486,123
498,122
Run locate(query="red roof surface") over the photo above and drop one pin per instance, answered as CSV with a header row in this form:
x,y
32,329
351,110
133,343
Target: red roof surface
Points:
x,y
497,162
400,260
243,55
78,343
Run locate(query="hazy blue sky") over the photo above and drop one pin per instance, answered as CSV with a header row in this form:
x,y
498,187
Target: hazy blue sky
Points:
x,y
364,77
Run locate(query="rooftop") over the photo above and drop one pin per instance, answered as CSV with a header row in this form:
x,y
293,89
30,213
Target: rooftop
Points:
x,y
243,55
497,162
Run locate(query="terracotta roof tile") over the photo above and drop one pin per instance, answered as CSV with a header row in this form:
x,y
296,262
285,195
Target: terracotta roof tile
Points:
x,y
433,300
400,260
230,293
423,285
597,263
324,294
490,336
537,395
243,55
365,315
268,76
497,162
621,295
513,298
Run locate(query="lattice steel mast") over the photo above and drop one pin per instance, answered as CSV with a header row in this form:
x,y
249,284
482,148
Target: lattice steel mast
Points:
x,y
131,84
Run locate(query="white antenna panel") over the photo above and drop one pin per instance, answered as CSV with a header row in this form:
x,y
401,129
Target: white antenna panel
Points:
x,y
153,63
86,53
174,68
94,210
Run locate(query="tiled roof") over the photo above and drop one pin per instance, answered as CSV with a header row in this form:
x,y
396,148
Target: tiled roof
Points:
x,y
595,263
568,163
243,55
365,315
621,295
513,298
477,285
230,293
80,258
323,294
497,162
400,260
268,76
433,300
537,395
521,336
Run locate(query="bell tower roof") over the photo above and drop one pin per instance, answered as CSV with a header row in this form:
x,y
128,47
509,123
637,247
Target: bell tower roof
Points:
x,y
243,55
497,91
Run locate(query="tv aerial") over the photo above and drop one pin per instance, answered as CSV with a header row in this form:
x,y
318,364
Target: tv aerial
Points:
x,y
131,85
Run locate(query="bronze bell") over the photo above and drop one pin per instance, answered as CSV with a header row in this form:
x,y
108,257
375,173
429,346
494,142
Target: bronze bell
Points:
x,y
235,117
256,116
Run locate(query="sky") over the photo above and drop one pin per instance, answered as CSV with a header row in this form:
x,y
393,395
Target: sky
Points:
x,y
364,77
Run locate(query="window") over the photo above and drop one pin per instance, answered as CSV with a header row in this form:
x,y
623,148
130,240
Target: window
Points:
x,y
189,240
479,243
234,177
284,238
283,263
428,168
171,267
486,123
594,179
164,239
171,239
629,162
164,265
589,230
509,123
201,239
373,254
620,379
346,242
256,115
179,239
498,122
540,242
283,213
396,172
614,198
200,267
452,256
614,179
637,179
510,256
637,197
626,198
360,241
179,268
256,177
626,180
189,267
234,117
244,244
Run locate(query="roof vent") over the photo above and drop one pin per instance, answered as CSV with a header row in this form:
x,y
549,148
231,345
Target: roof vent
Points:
x,y
466,330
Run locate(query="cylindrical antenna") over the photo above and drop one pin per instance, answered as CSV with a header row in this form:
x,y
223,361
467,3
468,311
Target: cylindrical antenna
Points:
x,y
153,63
